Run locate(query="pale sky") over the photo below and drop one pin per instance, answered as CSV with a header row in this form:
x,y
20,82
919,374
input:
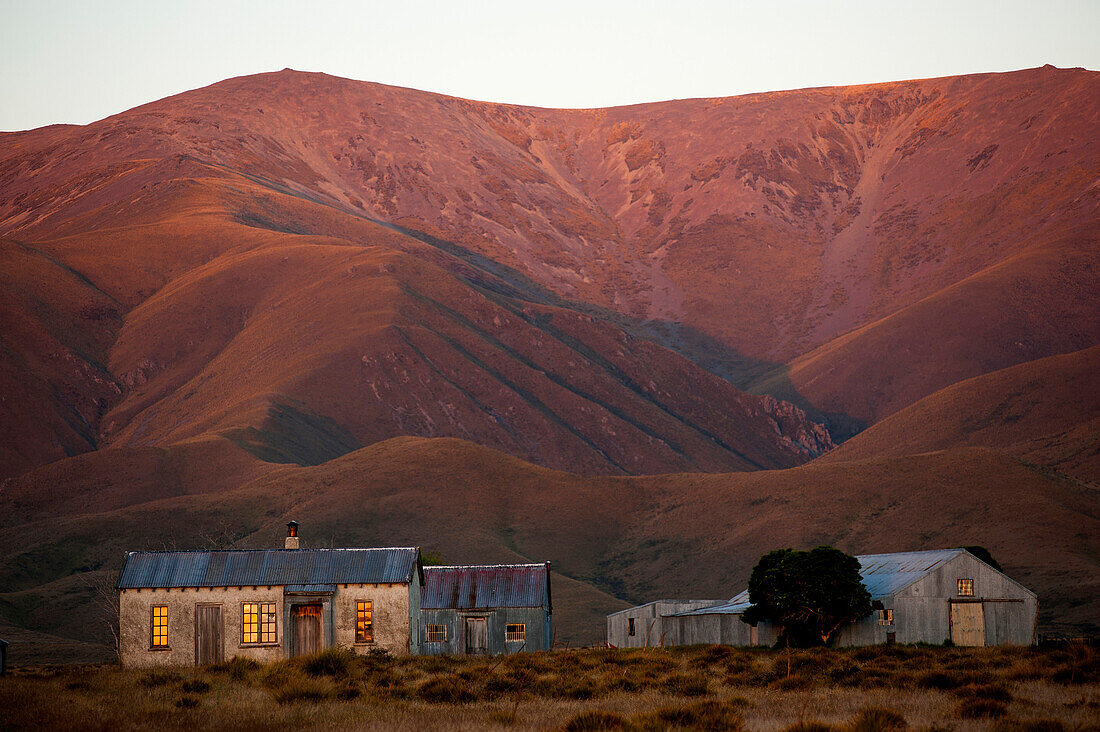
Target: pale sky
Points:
x,y
75,61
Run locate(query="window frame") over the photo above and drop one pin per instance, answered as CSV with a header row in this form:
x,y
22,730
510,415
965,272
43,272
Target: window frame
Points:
x,y
439,629
886,616
510,633
153,627
364,631
965,586
258,628
630,629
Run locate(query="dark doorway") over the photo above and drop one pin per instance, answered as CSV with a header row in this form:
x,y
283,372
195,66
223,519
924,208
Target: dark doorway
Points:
x,y
477,636
208,635
308,636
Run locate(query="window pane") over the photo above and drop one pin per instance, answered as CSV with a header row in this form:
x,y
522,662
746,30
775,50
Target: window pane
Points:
x,y
250,623
160,626
364,621
514,633
437,633
966,588
267,623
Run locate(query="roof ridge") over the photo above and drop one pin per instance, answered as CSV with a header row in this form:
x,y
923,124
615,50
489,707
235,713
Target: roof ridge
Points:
x,y
272,549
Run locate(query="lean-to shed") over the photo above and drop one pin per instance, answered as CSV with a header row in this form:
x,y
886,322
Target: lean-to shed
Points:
x,y
644,626
486,609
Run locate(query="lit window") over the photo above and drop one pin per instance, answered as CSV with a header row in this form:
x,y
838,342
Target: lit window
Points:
x,y
250,623
437,633
514,633
364,621
160,626
966,588
886,617
258,622
267,623
630,626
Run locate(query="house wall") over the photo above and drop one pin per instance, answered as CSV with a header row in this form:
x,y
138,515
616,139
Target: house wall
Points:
x,y
391,614
649,623
538,629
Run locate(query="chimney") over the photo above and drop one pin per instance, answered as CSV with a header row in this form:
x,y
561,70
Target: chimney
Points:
x,y
292,535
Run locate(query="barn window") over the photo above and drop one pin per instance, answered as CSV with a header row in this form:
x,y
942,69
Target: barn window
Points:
x,y
258,622
886,617
437,633
364,621
966,588
515,633
630,626
160,626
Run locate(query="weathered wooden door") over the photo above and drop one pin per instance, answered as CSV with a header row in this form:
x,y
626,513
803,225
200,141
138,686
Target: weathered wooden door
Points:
x,y
308,636
208,635
477,636
967,624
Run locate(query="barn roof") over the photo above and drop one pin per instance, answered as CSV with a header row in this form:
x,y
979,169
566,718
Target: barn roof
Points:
x,y
236,568
486,586
883,575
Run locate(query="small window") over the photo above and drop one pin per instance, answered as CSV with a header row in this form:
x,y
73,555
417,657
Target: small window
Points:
x,y
966,588
515,633
364,621
437,633
250,622
886,617
630,626
160,626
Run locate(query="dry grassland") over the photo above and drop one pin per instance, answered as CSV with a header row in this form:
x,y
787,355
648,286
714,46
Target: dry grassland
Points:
x,y
716,687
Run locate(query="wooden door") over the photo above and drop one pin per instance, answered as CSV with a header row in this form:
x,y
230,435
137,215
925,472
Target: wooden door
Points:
x,y
308,636
208,635
477,636
967,624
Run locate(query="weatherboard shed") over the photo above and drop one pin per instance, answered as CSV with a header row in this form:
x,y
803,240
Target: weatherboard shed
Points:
x,y
487,609
184,608
919,597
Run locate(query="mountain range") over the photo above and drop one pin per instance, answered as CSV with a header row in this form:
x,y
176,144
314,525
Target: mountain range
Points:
x,y
645,343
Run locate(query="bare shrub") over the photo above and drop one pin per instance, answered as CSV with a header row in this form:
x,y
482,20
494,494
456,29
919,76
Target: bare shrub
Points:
x,y
981,709
877,719
593,721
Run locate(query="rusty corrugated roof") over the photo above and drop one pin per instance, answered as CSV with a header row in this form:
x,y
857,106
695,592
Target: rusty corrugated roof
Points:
x,y
486,586
237,568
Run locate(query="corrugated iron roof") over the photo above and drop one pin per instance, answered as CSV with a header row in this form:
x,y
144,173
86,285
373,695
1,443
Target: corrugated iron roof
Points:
x,y
237,568
883,575
486,586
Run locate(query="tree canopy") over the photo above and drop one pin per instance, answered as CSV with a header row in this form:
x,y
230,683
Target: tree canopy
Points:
x,y
810,595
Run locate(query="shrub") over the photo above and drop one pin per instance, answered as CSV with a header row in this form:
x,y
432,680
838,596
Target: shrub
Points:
x,y
877,719
995,692
811,726
981,709
187,702
303,689
708,715
336,662
158,677
237,668
446,690
196,686
687,684
592,721
503,717
1030,725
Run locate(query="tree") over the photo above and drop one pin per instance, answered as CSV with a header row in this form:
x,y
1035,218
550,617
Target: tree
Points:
x,y
983,554
810,595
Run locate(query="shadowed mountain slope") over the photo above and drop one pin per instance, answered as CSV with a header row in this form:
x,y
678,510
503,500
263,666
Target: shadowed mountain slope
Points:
x,y
609,539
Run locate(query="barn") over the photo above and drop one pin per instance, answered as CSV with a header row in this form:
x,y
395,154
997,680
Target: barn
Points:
x,y
185,608
926,596
644,626
487,609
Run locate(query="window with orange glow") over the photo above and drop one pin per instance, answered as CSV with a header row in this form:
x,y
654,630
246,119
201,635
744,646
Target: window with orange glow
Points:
x,y
966,588
364,621
160,626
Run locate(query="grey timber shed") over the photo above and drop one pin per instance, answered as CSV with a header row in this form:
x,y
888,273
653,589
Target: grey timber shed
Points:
x,y
488,609
644,626
927,596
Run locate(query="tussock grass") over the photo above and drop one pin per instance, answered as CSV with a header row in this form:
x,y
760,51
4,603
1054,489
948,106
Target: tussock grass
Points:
x,y
706,687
